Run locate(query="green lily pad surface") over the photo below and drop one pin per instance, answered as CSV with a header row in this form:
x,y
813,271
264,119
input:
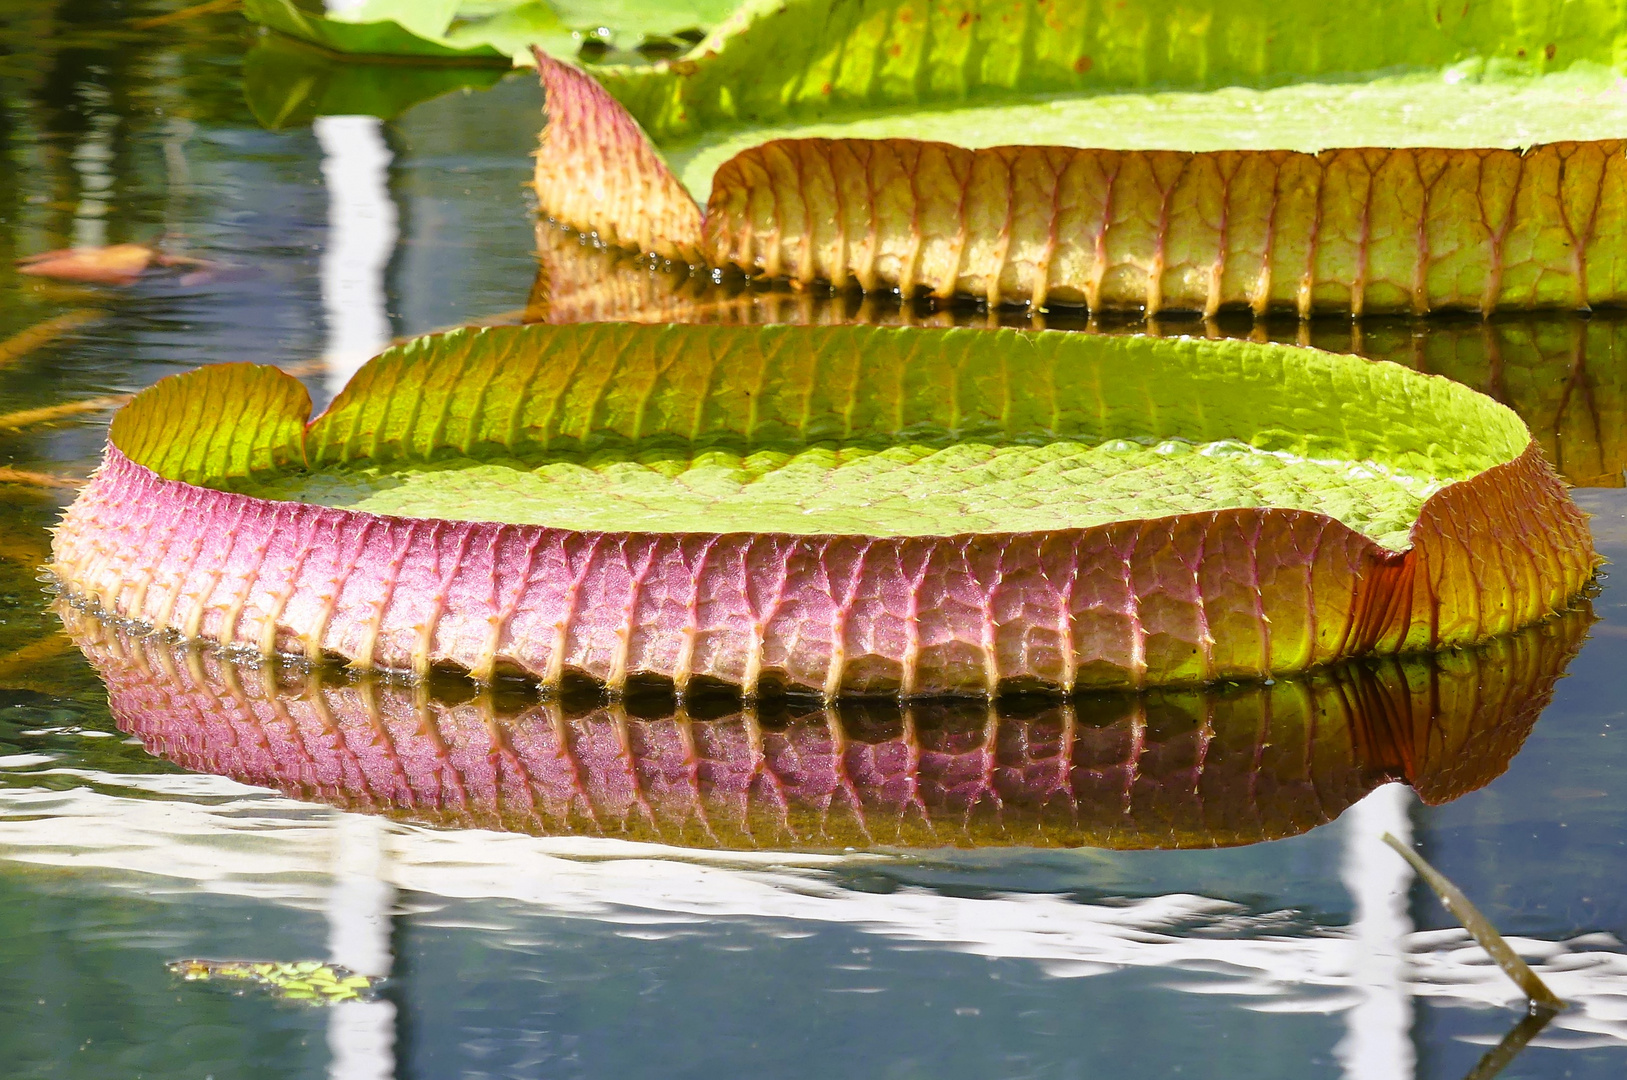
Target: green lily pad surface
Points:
x,y
310,982
842,509
788,60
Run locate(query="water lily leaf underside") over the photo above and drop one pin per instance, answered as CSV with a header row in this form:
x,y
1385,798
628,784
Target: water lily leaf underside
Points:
x,y
1151,590
1430,216
1161,769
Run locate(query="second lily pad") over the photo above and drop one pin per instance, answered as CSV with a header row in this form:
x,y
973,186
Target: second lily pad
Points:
x,y
847,510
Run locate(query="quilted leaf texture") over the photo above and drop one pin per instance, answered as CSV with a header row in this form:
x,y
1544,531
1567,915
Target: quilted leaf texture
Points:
x,y
780,59
1160,769
1566,376
1411,229
1133,595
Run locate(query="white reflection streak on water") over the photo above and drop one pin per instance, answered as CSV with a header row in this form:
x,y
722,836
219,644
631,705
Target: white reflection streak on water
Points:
x,y
361,1035
244,841
1378,1028
93,162
361,237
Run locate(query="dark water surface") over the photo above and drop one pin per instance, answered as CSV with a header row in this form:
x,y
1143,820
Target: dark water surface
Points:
x,y
520,955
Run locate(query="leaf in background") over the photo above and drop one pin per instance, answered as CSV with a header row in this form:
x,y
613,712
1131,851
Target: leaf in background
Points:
x,y
776,60
379,38
425,18
480,30
633,21
1355,230
310,981
515,29
288,84
843,509
116,264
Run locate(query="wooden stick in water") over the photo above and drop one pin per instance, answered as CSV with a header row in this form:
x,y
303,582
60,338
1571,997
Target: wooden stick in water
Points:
x,y
208,7
1481,929
24,342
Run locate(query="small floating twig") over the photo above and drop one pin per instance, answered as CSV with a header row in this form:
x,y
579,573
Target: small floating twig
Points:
x,y
301,368
26,341
53,644
48,413
1480,928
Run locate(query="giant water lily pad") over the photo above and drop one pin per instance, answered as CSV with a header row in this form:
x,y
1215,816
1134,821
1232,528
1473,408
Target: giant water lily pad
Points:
x,y
1495,181
1167,769
846,510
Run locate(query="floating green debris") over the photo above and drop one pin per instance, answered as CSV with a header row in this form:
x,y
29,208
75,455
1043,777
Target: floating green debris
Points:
x,y
310,981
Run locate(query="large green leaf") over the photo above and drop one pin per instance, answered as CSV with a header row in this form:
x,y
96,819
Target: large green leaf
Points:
x,y
384,37
877,432
846,509
781,59
1360,158
476,30
1357,230
1169,769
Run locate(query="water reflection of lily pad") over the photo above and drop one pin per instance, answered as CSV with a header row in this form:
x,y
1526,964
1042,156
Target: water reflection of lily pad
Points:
x,y
1181,769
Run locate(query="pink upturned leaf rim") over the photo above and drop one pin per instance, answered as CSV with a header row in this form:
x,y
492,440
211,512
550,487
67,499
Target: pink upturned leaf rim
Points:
x,y
1168,768
170,534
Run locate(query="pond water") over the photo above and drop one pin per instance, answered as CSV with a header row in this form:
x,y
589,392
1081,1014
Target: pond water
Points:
x,y
679,947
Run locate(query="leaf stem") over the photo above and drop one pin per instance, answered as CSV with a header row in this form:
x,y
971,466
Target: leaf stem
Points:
x,y
1480,928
